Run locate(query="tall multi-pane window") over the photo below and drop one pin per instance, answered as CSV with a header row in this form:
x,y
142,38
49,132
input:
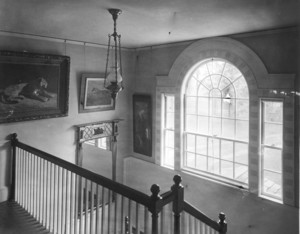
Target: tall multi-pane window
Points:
x,y
216,127
168,130
271,148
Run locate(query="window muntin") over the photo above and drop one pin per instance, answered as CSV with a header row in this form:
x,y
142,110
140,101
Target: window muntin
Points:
x,y
271,148
168,148
216,127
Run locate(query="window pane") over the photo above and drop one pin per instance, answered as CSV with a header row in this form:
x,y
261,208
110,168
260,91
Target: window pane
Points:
x,y
241,173
227,150
273,134
190,143
224,83
201,146
241,153
201,163
272,184
242,130
202,125
231,72
169,141
215,107
202,72
241,88
215,80
213,165
228,108
207,83
203,106
169,157
227,169
170,120
214,147
203,91
215,126
216,66
272,159
191,105
273,111
228,128
242,109
190,159
192,87
170,104
191,123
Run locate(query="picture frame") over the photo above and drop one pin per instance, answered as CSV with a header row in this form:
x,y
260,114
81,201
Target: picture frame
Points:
x,y
33,86
142,124
93,95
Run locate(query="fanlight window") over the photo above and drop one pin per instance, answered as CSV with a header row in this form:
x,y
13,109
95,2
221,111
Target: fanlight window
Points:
x,y
216,128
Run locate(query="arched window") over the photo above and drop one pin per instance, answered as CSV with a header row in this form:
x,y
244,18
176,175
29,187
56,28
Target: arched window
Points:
x,y
216,121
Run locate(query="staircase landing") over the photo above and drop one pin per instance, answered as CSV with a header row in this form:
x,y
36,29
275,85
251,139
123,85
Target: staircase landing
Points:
x,y
15,220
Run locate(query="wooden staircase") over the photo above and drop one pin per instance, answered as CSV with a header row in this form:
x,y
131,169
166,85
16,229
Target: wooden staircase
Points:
x,y
62,198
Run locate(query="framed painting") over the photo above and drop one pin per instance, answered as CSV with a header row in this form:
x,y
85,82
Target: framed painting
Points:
x,y
33,86
142,124
93,95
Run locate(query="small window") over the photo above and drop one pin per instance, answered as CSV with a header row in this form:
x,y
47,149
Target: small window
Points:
x,y
271,149
168,148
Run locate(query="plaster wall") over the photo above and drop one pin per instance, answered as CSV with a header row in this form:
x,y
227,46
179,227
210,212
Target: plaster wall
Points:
x,y
57,136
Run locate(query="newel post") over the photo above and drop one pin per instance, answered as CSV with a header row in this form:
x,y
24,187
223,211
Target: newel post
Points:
x,y
13,142
222,223
155,207
178,192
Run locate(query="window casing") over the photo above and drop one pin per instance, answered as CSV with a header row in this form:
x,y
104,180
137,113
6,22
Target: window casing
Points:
x,y
216,122
271,149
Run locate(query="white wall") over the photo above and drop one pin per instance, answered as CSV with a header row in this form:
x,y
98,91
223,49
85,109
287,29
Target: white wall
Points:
x,y
57,136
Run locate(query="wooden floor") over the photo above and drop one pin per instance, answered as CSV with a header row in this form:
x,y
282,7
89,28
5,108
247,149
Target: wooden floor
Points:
x,y
15,220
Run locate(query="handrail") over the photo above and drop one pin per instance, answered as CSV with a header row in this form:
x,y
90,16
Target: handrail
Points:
x,y
155,203
122,189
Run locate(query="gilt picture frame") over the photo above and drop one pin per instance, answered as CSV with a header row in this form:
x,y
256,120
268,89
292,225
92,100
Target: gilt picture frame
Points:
x,y
93,95
33,86
142,124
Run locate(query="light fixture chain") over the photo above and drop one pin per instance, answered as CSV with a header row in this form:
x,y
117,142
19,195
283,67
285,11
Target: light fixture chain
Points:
x,y
107,58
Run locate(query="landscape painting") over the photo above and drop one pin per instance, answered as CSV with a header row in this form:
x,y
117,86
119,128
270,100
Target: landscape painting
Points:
x,y
94,96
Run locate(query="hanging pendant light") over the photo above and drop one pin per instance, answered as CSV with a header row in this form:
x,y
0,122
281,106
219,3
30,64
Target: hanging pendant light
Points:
x,y
113,77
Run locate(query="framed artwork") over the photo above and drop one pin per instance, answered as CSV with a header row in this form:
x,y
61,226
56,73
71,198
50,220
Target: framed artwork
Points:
x,y
93,95
33,86
142,124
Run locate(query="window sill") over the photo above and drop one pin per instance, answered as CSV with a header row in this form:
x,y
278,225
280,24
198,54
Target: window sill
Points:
x,y
215,179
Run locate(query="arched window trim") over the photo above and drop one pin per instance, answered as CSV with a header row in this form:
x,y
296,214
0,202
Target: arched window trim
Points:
x,y
260,84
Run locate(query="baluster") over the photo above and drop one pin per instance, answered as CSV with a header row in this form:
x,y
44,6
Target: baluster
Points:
x,y
137,220
146,221
178,191
109,211
13,141
86,207
51,199
115,221
122,213
73,203
35,187
103,210
127,225
129,214
76,204
92,230
222,223
154,207
97,209
81,205
63,201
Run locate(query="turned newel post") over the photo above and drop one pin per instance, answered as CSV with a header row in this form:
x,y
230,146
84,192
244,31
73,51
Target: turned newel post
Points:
x,y
13,141
178,192
222,223
155,207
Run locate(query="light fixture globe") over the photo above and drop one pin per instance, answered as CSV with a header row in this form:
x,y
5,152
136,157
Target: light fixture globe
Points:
x,y
113,78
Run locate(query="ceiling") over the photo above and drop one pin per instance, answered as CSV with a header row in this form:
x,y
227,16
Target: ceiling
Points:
x,y
145,22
